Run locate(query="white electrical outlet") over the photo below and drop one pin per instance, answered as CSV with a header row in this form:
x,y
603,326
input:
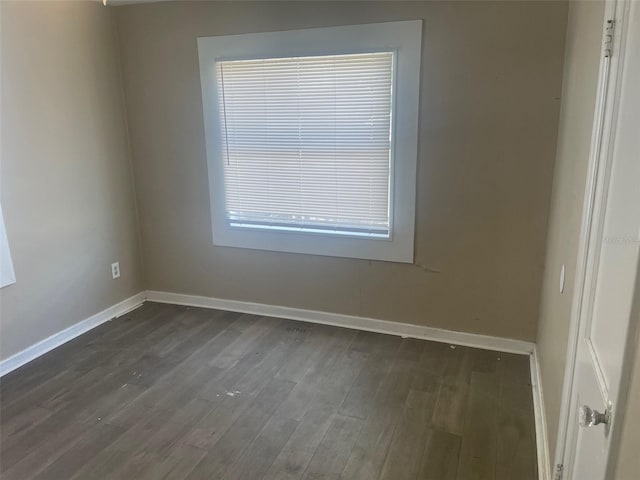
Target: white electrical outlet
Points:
x,y
115,269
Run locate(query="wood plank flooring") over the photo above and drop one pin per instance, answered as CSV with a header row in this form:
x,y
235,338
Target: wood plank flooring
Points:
x,y
170,392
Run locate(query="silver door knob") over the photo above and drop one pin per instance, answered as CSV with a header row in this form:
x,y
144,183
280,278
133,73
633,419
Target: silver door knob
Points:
x,y
591,418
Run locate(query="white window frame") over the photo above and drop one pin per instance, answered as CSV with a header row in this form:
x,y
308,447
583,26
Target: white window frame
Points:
x,y
405,39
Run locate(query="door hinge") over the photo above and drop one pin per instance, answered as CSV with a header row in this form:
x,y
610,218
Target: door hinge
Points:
x,y
608,38
559,472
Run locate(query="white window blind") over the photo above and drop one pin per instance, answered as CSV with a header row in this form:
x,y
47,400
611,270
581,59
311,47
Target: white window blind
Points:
x,y
307,142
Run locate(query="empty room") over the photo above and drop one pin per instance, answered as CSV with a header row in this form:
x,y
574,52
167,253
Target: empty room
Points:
x,y
320,240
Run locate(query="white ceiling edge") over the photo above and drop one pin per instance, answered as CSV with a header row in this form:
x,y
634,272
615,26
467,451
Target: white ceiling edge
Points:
x,y
117,3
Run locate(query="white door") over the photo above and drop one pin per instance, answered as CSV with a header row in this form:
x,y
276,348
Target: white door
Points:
x,y
612,252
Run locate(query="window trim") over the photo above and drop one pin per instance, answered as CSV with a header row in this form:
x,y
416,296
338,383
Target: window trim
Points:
x,y
404,38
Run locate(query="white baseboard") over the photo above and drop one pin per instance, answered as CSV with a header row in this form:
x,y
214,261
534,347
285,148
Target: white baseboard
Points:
x,y
348,321
57,339
542,443
313,316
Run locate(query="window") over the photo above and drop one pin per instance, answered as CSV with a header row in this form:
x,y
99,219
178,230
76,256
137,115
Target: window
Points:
x,y
7,275
303,131
307,142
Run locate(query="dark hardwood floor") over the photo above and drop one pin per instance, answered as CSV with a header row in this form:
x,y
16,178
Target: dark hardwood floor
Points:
x,y
186,393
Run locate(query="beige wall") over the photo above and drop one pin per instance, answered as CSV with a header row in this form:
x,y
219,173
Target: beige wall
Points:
x,y
66,184
574,136
489,109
